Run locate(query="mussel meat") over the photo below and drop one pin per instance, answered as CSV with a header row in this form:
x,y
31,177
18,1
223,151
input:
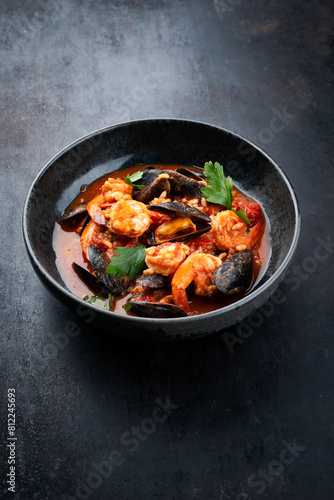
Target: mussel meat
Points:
x,y
182,226
235,275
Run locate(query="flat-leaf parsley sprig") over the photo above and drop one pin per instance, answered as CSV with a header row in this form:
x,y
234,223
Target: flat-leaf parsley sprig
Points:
x,y
220,188
127,260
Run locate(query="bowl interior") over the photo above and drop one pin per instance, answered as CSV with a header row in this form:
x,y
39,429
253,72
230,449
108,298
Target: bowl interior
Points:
x,y
158,141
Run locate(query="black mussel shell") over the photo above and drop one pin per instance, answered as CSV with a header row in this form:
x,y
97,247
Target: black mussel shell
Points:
x,y
235,275
86,221
193,174
153,190
79,209
155,309
153,280
184,186
180,210
150,173
151,240
99,262
91,281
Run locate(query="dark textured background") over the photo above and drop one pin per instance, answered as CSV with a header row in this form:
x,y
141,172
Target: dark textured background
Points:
x,y
70,67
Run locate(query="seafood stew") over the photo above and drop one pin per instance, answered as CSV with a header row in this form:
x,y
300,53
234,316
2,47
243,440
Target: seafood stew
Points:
x,y
162,241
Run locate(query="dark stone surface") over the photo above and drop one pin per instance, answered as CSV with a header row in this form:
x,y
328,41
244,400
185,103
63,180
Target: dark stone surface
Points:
x,y
69,68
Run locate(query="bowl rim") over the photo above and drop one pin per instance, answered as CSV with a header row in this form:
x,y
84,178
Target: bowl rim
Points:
x,y
162,321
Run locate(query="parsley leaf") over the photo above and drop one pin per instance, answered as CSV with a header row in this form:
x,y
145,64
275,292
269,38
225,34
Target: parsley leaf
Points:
x,y
127,306
242,214
130,179
221,187
97,301
127,260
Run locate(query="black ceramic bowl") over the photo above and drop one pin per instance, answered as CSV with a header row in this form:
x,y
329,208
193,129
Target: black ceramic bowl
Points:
x,y
160,141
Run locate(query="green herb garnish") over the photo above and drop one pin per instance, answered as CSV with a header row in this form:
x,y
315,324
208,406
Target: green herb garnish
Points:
x,y
242,214
130,179
220,190
221,187
111,304
97,301
127,306
127,260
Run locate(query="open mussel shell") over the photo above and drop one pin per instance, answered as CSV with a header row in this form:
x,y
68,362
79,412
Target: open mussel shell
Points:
x,y
185,186
150,173
153,280
235,275
91,281
182,226
79,209
85,223
100,262
153,190
178,209
193,174
155,309
179,229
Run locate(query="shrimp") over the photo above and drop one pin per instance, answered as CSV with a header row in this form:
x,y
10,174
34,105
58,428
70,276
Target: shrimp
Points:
x,y
113,190
129,218
95,210
116,190
230,232
197,268
165,258
95,234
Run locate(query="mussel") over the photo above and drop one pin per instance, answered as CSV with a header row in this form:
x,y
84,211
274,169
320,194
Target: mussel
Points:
x,y
185,186
235,275
150,173
181,226
91,281
99,262
153,281
193,174
153,190
69,213
150,309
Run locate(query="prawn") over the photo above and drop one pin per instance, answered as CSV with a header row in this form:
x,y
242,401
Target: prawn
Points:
x,y
95,234
198,268
113,190
230,232
165,258
128,218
